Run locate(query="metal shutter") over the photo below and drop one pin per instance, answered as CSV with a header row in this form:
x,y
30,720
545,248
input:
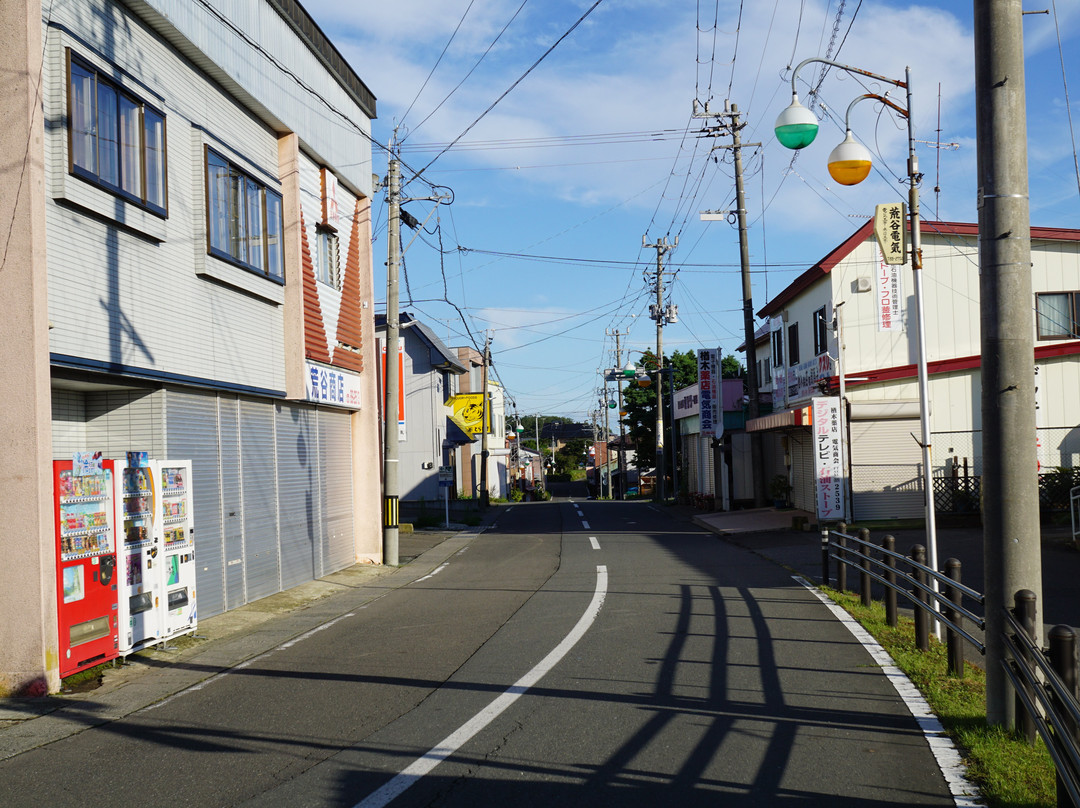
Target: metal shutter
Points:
x,y
335,454
298,499
232,501
802,470
192,433
258,455
886,470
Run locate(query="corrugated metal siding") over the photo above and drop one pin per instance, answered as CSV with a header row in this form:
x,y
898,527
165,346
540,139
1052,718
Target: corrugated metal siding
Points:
x,y
192,434
232,501
259,486
886,470
120,421
335,454
68,423
802,470
298,493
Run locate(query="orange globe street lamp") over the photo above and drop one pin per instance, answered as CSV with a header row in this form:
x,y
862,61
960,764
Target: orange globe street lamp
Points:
x,y
849,164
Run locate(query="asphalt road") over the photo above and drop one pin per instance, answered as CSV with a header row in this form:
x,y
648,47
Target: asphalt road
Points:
x,y
632,660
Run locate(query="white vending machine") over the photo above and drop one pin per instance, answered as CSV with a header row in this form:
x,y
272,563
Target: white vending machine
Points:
x,y
141,607
175,521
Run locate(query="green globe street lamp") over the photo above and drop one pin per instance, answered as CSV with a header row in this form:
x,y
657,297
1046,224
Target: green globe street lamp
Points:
x,y
796,127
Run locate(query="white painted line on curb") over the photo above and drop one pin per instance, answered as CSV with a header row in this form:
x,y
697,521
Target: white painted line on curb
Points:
x,y
433,573
965,795
449,745
594,542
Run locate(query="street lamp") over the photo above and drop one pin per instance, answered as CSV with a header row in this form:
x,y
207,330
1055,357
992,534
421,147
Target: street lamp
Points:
x,y
849,164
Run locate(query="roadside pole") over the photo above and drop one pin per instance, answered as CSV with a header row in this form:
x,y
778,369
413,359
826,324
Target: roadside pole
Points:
x,y
390,404
1010,489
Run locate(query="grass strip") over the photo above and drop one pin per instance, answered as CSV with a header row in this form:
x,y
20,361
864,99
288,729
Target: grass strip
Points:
x,y
1010,772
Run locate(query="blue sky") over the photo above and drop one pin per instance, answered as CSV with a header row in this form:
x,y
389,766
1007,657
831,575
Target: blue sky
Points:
x,y
555,186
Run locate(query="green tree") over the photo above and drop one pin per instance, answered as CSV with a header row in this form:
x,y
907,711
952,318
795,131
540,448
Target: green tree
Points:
x,y
640,404
731,368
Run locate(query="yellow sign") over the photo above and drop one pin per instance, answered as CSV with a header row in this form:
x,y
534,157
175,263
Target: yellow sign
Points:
x,y
467,412
889,227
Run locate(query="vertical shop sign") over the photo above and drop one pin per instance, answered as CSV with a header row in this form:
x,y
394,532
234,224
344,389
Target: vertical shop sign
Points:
x,y
709,392
828,458
890,315
401,386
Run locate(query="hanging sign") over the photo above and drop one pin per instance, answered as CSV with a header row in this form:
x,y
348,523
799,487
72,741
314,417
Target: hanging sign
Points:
x,y
888,290
709,392
467,412
890,231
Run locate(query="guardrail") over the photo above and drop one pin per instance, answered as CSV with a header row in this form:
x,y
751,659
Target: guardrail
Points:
x,y
1045,681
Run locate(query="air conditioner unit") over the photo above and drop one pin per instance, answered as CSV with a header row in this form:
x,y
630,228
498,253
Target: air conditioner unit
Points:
x,y
862,285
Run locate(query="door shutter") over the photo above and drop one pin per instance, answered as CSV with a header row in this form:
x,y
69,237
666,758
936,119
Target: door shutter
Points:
x,y
258,455
298,493
335,454
886,469
802,470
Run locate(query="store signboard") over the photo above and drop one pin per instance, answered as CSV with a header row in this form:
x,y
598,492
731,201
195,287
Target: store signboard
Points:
x,y
327,385
712,423
888,291
829,485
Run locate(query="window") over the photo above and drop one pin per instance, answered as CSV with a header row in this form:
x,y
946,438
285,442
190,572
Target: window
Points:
x,y
116,141
778,348
244,218
793,344
326,254
1057,315
821,332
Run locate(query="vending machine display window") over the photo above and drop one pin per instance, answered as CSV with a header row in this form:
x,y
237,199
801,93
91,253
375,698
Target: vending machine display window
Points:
x,y
141,598
178,536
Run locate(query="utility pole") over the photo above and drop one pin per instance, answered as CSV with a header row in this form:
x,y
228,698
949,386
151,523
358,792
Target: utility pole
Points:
x,y
1011,539
393,381
485,494
753,408
622,427
607,438
661,246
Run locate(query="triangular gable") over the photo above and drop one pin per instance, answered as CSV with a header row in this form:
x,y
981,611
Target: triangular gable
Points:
x,y
347,349
315,347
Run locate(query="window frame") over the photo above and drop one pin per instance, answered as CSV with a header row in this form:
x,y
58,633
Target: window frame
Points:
x,y
327,248
793,344
1073,328
234,243
777,337
94,174
821,331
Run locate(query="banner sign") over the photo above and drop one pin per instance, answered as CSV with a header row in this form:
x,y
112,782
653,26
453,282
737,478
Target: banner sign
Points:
x,y
401,385
890,314
712,423
467,411
828,458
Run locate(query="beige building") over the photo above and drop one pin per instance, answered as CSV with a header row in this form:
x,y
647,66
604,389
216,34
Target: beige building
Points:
x,y
187,272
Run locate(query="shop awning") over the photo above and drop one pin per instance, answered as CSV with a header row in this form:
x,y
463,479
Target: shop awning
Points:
x,y
799,416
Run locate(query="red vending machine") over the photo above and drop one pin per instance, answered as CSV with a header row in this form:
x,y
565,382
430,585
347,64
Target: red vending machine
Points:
x,y
86,575
140,555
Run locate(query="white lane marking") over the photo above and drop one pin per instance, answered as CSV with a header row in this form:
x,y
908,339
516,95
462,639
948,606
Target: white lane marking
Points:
x,y
965,795
585,525
594,542
449,745
433,573
249,662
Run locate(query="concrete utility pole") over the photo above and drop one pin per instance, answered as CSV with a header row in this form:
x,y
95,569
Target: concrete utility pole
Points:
x,y
622,427
661,246
1011,539
485,494
393,382
753,407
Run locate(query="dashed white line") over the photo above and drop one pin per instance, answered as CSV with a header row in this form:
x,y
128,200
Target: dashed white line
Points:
x,y
965,795
449,745
595,544
585,525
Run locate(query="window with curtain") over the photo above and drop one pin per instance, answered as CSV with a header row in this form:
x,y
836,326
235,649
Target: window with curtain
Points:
x,y
327,256
244,222
1057,315
116,140
821,332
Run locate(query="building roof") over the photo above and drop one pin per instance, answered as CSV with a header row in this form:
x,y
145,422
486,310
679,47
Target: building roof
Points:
x,y
826,264
442,358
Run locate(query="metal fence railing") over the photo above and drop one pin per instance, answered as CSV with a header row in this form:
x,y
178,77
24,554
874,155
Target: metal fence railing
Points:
x,y
1045,681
